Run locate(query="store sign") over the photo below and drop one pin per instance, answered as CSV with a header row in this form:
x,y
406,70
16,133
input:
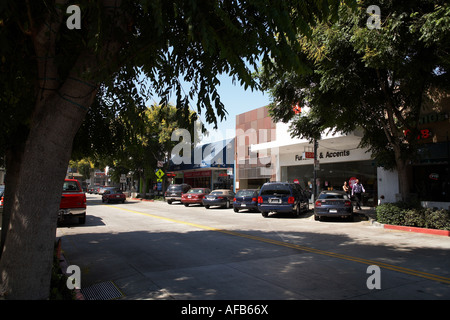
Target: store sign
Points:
x,y
334,154
322,155
434,176
197,174
304,156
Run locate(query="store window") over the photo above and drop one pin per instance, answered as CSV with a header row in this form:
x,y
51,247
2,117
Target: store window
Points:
x,y
331,176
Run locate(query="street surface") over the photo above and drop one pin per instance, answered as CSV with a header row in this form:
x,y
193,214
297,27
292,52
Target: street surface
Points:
x,y
152,250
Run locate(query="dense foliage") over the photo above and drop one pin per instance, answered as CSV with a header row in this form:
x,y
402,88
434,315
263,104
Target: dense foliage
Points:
x,y
376,79
405,214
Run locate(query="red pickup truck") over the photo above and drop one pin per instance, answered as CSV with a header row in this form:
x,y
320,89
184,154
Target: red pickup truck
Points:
x,y
73,201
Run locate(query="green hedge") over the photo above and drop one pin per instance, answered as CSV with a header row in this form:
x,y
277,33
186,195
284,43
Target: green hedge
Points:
x,y
403,214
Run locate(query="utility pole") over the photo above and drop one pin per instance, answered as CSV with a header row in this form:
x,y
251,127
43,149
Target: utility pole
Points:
x,y
316,144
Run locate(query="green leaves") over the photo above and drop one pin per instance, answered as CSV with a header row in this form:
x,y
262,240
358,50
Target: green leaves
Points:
x,y
375,79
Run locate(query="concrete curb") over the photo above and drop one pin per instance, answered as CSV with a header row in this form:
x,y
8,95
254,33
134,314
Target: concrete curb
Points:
x,y
63,264
438,232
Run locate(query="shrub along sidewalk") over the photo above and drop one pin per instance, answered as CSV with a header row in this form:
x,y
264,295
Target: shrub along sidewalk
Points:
x,y
410,215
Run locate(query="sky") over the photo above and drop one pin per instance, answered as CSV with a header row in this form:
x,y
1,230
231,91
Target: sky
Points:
x,y
236,100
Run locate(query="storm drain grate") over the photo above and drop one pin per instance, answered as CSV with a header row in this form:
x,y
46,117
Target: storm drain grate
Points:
x,y
102,291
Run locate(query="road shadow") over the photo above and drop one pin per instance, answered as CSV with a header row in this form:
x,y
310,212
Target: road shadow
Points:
x,y
243,264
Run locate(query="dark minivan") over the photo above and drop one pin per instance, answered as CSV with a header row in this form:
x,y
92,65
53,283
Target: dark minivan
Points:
x,y
174,192
282,197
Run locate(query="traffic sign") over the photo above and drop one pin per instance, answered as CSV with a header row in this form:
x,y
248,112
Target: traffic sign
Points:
x,y
159,173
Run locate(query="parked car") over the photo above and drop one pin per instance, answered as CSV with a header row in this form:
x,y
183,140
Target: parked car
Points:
x,y
333,204
174,192
194,196
113,195
102,189
246,199
282,197
219,197
73,201
2,194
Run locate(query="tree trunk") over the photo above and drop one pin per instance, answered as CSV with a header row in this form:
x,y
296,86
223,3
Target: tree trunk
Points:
x,y
403,178
39,171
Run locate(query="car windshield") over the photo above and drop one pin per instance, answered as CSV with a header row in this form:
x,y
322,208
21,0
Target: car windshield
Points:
x,y
216,192
70,186
196,191
275,189
243,193
333,196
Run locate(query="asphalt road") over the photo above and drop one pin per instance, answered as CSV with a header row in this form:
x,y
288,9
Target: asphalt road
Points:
x,y
152,250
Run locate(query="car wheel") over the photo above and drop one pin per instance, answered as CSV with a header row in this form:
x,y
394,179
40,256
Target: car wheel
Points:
x,y
169,202
228,204
206,206
236,209
186,204
265,214
316,217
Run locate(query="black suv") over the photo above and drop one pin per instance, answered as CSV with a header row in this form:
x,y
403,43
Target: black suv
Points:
x,y
282,197
174,192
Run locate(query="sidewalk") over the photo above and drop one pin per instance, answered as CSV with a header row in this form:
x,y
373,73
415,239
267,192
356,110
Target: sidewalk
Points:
x,y
369,212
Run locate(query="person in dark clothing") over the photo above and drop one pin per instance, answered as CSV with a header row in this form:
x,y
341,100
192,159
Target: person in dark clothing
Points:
x,y
356,192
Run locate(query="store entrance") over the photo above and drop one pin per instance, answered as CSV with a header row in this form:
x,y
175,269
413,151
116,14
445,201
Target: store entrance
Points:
x,y
331,176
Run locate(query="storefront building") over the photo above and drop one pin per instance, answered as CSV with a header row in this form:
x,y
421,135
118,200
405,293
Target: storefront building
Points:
x,y
431,170
339,159
268,153
211,166
253,169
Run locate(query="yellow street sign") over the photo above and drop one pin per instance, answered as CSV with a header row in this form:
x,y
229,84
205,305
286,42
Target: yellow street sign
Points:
x,y
159,173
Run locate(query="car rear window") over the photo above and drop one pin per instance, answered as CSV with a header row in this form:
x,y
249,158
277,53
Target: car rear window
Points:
x,y
332,196
217,192
275,189
243,193
70,186
174,188
196,190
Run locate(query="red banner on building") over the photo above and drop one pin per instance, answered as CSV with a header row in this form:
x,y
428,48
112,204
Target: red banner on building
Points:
x,y
197,174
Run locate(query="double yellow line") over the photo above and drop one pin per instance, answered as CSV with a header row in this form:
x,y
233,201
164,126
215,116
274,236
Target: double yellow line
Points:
x,y
412,272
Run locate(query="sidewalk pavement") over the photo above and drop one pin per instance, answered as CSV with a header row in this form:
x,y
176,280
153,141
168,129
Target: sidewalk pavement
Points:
x,y
369,212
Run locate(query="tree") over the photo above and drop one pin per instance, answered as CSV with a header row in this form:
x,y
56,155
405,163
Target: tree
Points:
x,y
51,74
375,79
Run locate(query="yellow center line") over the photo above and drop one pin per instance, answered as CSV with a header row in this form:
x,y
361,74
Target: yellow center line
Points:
x,y
302,248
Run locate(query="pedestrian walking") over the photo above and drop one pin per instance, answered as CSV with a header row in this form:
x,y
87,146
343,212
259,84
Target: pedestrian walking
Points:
x,y
356,192
346,188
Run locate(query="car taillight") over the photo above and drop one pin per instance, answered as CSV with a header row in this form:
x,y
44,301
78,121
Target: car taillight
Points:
x,y
219,197
1,202
318,203
291,200
348,203
260,200
234,199
254,200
